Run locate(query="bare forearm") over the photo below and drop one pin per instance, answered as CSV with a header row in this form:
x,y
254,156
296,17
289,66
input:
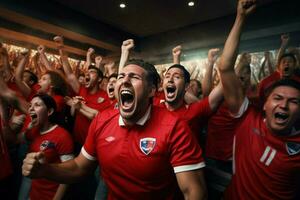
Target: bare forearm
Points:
x,y
123,59
207,80
66,172
46,62
231,46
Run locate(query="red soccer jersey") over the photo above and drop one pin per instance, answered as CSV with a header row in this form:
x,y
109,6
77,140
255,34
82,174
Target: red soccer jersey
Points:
x,y
5,166
159,95
99,101
266,166
54,143
195,114
138,162
220,133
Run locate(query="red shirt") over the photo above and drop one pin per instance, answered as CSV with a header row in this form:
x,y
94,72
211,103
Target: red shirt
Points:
x,y
138,162
34,90
268,81
54,143
220,133
5,166
195,114
266,166
159,95
99,101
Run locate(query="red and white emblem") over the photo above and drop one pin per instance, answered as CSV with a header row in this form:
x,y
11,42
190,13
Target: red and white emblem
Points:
x,y
147,145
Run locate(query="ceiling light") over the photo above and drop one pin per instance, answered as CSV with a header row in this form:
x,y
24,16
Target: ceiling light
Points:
x,y
122,5
191,3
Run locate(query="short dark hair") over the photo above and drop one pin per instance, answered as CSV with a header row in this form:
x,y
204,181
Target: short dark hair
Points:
x,y
186,74
99,72
50,103
33,77
114,75
282,82
152,75
59,84
291,55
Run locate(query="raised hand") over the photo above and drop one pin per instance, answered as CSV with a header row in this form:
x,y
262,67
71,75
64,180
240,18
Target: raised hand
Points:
x,y
32,165
213,55
246,7
176,51
90,51
127,45
285,39
59,40
41,49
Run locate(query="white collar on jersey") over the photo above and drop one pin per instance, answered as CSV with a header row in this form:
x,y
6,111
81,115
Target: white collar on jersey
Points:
x,y
141,121
50,129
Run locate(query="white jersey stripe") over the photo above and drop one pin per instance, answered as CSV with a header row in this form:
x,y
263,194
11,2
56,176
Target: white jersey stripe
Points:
x,y
264,156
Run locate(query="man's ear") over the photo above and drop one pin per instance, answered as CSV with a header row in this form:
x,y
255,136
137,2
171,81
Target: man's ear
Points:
x,y
186,87
152,92
50,111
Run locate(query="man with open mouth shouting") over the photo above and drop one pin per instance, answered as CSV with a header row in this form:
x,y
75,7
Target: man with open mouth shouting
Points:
x,y
266,153
175,85
285,70
144,151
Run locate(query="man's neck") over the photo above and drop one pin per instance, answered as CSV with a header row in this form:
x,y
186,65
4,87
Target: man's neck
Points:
x,y
172,106
94,89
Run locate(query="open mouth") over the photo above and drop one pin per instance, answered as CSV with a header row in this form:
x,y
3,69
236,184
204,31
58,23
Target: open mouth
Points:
x,y
111,90
286,69
127,99
170,91
281,117
33,117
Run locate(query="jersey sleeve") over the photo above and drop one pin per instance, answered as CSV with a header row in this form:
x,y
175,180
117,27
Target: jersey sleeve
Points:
x,y
89,147
185,152
200,109
65,146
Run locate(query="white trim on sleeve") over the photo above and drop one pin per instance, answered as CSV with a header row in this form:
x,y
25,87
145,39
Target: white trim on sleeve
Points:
x,y
185,168
87,155
66,157
243,108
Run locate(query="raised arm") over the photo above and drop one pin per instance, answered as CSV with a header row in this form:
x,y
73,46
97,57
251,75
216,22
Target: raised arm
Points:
x,y
127,45
88,61
41,49
23,87
71,77
5,58
98,63
285,38
207,82
232,88
176,52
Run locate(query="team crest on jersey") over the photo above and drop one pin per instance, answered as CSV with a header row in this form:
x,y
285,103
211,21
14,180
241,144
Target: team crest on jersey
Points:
x,y
292,148
100,100
147,145
46,144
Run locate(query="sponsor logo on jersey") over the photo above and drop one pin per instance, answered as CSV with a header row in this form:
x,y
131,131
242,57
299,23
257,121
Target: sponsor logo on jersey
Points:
x,y
292,148
147,145
100,100
46,144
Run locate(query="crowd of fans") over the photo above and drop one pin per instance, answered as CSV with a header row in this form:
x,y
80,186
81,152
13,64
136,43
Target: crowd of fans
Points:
x,y
234,134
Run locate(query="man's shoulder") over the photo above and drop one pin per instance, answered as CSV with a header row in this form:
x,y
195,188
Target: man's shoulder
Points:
x,y
107,115
163,116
